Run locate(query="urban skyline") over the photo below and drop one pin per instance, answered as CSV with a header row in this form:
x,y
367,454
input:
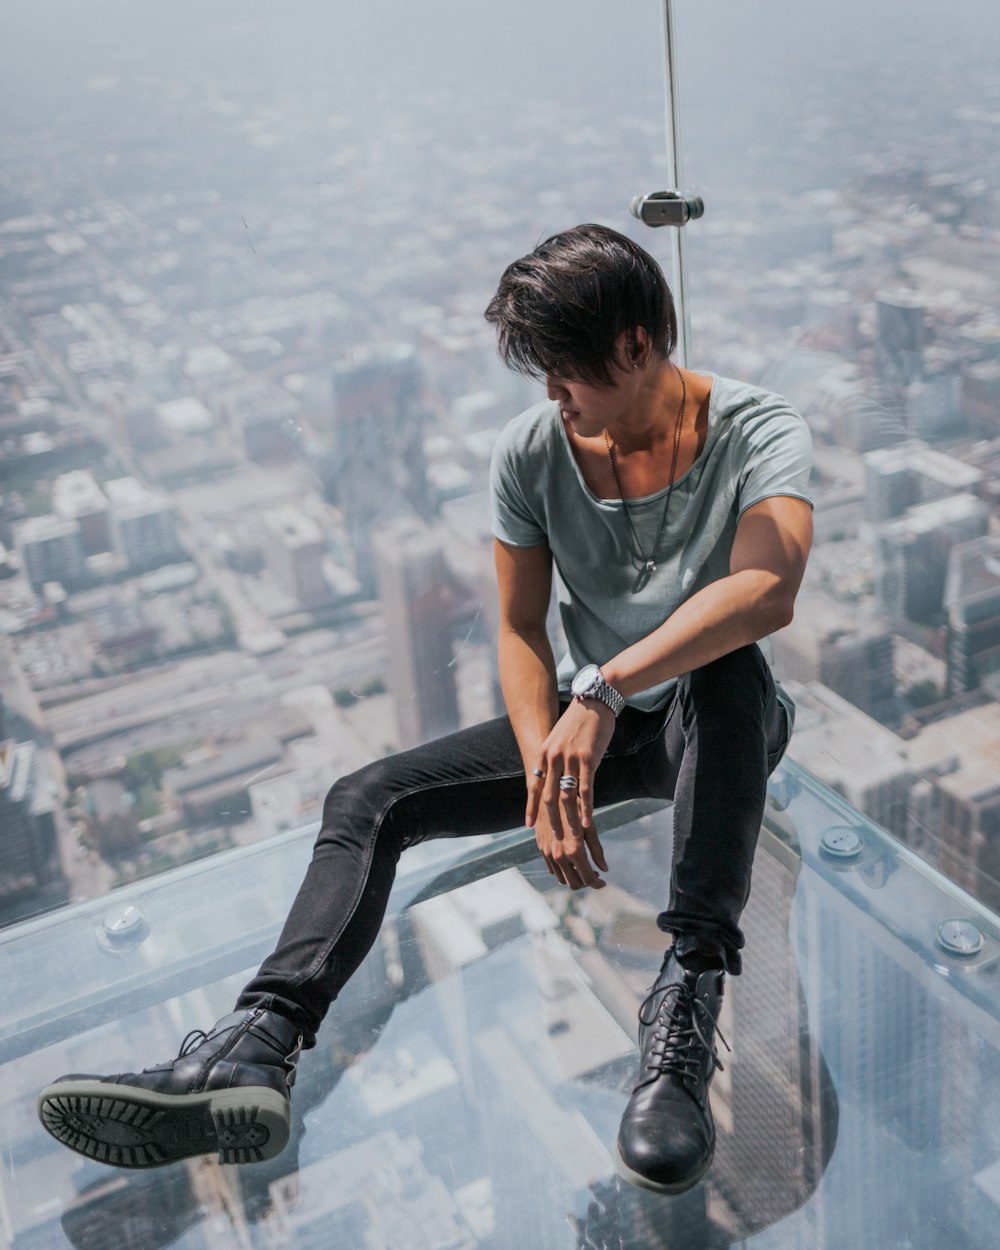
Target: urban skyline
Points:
x,y
247,410
224,380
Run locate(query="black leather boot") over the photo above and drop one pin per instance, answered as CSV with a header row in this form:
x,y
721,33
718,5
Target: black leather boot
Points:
x,y
667,1137
225,1093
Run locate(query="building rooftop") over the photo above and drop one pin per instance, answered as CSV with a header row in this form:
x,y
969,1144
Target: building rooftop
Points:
x,y
293,526
126,492
842,745
970,738
973,571
950,472
924,518
77,492
185,416
38,529
916,457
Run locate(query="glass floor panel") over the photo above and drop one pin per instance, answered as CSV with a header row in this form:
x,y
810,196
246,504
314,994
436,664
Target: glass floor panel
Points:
x,y
467,1086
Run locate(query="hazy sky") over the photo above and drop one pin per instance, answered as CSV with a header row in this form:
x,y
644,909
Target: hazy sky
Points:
x,y
820,82
742,64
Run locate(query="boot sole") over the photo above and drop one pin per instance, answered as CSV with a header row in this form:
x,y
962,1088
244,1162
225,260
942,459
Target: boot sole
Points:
x,y
130,1127
659,1187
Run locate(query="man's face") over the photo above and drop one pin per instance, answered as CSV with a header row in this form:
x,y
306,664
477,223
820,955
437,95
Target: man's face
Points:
x,y
588,409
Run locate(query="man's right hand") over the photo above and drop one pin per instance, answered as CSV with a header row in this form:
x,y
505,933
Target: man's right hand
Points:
x,y
568,855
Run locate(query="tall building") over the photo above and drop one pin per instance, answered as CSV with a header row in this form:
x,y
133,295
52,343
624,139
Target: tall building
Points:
x,y
972,604
931,406
958,753
830,643
937,476
981,397
901,335
267,419
970,830
775,1103
143,524
51,550
376,468
77,497
913,554
149,1212
29,854
898,478
295,553
889,488
856,757
415,592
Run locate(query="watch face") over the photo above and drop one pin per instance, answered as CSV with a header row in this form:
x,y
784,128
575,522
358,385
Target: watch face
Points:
x,y
585,679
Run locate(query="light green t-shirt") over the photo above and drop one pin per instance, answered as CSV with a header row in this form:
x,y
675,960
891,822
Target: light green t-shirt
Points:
x,y
757,446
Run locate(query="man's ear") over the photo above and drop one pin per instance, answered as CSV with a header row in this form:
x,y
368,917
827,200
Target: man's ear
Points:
x,y
637,344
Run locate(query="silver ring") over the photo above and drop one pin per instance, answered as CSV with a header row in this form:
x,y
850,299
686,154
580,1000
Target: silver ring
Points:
x,y
567,783
537,772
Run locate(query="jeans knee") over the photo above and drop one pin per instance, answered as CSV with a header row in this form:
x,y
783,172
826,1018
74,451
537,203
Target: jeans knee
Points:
x,y
360,795
738,675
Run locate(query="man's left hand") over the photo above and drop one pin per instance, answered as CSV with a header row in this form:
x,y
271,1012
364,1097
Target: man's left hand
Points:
x,y
574,748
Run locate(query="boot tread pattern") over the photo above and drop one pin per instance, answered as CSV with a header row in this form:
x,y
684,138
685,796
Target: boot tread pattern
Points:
x,y
150,1129
110,1130
240,1134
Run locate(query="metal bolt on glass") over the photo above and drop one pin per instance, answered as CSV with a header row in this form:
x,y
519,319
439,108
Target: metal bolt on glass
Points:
x,y
841,842
960,937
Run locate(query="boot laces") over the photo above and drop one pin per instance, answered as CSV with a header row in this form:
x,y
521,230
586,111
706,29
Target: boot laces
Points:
x,y
678,1035
193,1040
290,1061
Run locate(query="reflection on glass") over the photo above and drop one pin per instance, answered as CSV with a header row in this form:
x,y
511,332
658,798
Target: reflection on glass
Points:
x,y
847,259
467,1085
244,260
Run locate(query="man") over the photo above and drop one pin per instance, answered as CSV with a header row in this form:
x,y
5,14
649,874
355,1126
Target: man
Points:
x,y
673,507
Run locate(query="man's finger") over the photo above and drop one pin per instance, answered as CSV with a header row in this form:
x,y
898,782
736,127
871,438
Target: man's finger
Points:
x,y
549,794
586,795
595,848
556,809
570,811
535,782
586,876
534,801
581,862
571,874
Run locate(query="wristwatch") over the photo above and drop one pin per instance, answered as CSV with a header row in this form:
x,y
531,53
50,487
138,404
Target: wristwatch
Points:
x,y
589,683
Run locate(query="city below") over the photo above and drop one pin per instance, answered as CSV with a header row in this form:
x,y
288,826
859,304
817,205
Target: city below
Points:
x,y
243,458
247,406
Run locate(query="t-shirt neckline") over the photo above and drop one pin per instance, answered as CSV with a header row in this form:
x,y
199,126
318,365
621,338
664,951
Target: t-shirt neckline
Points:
x,y
639,500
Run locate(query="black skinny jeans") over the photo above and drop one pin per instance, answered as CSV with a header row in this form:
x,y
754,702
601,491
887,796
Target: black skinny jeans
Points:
x,y
711,750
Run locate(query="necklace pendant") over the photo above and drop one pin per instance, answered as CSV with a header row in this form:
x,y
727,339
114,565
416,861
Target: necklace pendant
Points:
x,y
642,577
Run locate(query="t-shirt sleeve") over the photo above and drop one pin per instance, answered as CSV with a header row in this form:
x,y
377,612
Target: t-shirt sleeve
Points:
x,y
777,453
514,521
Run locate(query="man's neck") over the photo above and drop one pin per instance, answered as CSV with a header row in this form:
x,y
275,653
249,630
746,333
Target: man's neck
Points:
x,y
651,420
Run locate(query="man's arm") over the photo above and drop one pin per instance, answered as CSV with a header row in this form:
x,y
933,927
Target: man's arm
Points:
x,y
528,681
766,566
524,653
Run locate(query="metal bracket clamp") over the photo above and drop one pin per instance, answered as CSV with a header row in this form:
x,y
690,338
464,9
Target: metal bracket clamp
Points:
x,y
667,208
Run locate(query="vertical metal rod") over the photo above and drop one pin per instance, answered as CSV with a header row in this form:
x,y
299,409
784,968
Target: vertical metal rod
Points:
x,y
676,159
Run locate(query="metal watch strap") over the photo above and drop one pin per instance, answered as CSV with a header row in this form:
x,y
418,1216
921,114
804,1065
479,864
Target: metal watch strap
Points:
x,y
608,695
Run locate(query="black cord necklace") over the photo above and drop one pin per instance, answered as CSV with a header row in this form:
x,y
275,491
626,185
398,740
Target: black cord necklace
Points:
x,y
646,565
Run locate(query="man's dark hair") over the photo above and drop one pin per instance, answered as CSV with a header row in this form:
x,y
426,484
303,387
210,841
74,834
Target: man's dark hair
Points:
x,y
562,308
